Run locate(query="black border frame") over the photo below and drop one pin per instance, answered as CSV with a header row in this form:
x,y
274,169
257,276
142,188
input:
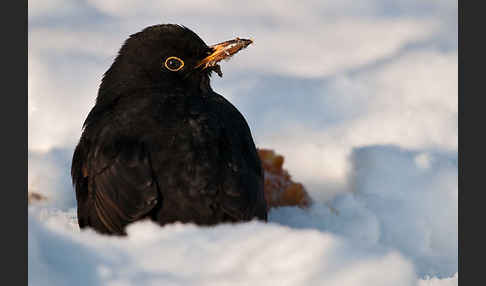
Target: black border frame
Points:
x,y
13,213
14,122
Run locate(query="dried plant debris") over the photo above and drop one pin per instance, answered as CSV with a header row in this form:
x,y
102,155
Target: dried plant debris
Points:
x,y
34,197
279,189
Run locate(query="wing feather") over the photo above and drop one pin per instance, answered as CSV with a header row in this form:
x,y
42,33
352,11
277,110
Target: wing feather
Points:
x,y
121,187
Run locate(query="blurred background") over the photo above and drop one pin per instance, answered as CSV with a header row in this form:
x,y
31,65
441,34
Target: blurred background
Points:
x,y
358,96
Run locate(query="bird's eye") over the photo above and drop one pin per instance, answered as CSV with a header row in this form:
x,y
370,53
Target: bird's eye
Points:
x,y
174,63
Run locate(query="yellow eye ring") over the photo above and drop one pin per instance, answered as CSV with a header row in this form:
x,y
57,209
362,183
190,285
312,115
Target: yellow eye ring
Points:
x,y
172,68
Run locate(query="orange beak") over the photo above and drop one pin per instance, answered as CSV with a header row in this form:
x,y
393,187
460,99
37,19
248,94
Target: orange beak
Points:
x,y
223,51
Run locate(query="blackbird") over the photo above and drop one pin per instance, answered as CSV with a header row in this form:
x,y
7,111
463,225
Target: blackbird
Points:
x,y
160,144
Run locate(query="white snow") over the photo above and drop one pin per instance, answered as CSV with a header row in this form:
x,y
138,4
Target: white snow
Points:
x,y
247,254
452,281
396,203
398,226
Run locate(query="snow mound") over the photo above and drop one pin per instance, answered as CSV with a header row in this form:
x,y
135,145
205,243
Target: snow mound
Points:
x,y
183,254
401,199
396,225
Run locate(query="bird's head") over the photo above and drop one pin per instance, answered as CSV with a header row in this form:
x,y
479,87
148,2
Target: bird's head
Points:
x,y
168,56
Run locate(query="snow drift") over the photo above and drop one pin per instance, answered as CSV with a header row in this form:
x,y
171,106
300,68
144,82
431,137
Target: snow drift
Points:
x,y
401,199
245,254
396,226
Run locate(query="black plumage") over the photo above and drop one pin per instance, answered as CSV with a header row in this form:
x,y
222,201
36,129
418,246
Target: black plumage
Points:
x,y
160,144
